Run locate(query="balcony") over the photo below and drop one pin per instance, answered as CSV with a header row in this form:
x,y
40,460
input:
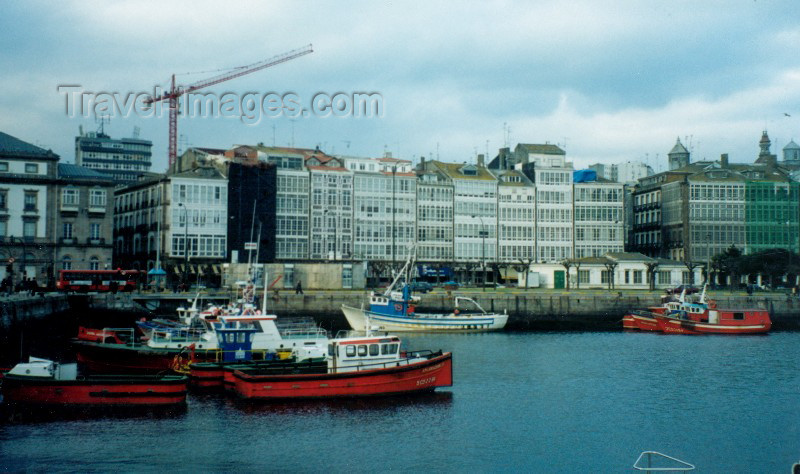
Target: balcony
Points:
x,y
97,209
91,241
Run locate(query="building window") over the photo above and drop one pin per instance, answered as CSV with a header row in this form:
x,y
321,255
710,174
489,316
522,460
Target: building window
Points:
x,y
69,197
94,263
32,168
347,277
97,198
30,200
94,231
3,167
3,199
637,276
288,277
68,230
3,229
29,230
66,263
583,276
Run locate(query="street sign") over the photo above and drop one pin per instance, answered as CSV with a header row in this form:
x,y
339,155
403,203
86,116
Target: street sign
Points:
x,y
250,245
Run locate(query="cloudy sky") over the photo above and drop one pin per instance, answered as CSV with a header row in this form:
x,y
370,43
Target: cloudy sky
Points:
x,y
609,81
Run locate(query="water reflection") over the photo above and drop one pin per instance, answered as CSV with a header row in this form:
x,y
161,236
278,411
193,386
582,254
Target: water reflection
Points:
x,y
10,414
442,399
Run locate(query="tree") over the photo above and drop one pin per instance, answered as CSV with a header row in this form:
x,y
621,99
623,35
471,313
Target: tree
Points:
x,y
524,267
610,268
651,274
729,263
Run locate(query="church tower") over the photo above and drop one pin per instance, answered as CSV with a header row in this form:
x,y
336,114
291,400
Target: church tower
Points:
x,y
679,156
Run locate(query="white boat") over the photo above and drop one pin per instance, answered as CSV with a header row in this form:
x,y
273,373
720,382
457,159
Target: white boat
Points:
x,y
395,310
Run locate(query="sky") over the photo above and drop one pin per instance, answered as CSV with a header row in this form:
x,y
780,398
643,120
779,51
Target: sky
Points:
x,y
608,81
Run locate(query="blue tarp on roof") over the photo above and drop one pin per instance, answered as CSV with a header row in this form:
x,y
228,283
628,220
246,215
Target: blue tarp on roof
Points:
x,y
584,176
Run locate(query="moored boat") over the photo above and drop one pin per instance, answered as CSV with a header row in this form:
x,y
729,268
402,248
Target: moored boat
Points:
x,y
395,311
44,382
699,317
357,366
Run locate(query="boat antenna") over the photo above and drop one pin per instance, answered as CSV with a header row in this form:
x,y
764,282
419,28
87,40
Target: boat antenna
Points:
x,y
703,295
264,301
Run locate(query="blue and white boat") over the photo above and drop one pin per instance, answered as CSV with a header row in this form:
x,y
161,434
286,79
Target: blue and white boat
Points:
x,y
395,310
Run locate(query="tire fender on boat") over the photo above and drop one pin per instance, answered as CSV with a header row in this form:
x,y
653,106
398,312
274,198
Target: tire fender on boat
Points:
x,y
712,304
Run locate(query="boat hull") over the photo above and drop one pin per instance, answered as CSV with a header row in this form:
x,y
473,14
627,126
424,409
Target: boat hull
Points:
x,y
95,391
103,358
357,318
420,376
640,322
212,375
670,325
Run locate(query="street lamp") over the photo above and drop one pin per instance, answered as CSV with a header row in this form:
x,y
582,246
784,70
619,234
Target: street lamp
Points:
x,y
185,242
394,170
708,257
483,249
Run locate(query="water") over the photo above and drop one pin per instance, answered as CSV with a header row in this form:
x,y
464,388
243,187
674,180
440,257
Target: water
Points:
x,y
542,402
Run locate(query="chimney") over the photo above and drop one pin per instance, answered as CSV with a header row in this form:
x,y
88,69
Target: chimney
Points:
x,y
480,160
723,160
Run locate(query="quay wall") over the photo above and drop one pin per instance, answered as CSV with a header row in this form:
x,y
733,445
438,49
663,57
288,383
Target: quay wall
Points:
x,y
18,309
527,310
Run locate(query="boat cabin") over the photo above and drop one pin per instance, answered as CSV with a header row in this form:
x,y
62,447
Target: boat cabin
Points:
x,y
363,353
36,367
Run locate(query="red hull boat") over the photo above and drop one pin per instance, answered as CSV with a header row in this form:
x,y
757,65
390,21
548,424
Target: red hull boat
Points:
x,y
419,377
43,382
357,367
701,317
730,322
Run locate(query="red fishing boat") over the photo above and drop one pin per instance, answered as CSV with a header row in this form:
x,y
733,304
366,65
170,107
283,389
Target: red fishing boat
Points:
x,y
700,317
357,367
44,382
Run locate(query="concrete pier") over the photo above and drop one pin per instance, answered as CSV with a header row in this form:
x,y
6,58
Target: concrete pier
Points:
x,y
18,308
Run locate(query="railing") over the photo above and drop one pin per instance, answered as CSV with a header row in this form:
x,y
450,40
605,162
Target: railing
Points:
x,y
407,360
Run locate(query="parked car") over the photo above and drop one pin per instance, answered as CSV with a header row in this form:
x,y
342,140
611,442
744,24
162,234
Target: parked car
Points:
x,y
420,286
450,285
679,289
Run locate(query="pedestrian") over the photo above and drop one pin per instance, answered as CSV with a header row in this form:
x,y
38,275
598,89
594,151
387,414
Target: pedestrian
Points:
x,y
298,290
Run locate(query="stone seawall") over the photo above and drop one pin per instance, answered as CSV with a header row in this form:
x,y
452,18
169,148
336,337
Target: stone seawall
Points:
x,y
541,310
18,309
527,310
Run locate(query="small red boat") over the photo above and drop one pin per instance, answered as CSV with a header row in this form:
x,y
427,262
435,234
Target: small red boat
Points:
x,y
357,367
44,382
701,317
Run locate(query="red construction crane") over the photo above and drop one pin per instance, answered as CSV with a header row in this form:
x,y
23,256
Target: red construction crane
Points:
x,y
177,91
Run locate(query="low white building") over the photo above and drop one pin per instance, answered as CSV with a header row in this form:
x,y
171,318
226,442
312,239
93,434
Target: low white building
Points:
x,y
630,271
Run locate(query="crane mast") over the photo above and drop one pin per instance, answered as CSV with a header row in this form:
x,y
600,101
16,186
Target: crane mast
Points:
x,y
176,91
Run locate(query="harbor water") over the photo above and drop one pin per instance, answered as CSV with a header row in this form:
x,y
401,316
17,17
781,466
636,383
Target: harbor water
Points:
x,y
521,401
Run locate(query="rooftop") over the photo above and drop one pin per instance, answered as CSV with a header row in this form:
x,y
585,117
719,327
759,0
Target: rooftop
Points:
x,y
14,146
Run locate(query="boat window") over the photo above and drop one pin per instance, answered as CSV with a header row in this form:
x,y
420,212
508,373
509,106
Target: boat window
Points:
x,y
351,351
230,338
374,349
385,349
252,336
330,350
393,348
240,338
739,316
362,350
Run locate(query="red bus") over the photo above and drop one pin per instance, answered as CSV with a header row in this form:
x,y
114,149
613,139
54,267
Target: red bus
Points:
x,y
97,280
